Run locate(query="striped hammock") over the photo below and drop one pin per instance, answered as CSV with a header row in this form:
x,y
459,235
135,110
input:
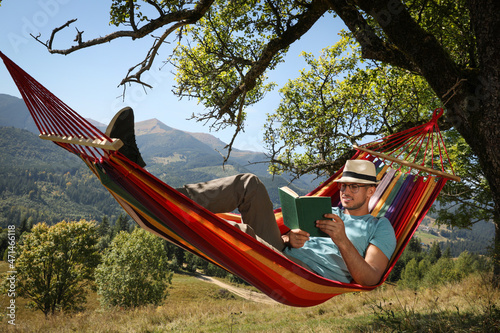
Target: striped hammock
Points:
x,y
406,163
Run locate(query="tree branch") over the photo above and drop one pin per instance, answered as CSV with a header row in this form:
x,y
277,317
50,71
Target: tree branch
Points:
x,y
131,15
329,167
146,64
48,44
315,10
184,16
372,46
417,44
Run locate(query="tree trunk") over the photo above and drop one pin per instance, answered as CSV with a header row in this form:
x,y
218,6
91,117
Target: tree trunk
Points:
x,y
476,111
483,136
471,96
496,255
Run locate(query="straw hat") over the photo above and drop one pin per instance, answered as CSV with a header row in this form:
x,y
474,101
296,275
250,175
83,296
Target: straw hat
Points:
x,y
359,171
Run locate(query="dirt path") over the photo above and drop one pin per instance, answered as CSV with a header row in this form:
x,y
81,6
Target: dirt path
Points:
x,y
244,293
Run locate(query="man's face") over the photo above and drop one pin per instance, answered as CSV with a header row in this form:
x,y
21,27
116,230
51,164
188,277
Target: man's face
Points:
x,y
355,197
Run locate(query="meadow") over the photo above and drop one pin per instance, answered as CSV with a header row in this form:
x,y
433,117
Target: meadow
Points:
x,y
197,306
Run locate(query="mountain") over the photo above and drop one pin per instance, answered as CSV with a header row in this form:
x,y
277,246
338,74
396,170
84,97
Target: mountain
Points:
x,y
210,140
162,145
42,182
199,153
13,112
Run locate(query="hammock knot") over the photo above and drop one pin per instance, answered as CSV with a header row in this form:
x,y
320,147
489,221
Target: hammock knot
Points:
x,y
435,116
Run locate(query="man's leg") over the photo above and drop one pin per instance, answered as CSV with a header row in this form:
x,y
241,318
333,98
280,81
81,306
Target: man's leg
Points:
x,y
246,193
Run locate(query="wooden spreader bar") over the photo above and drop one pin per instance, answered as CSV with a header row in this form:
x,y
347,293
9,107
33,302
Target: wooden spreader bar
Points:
x,y
114,144
409,164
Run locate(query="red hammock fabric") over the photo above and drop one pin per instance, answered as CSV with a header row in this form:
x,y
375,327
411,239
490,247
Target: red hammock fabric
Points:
x,y
157,207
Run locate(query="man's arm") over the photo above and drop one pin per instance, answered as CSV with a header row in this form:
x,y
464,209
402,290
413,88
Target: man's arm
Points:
x,y
365,271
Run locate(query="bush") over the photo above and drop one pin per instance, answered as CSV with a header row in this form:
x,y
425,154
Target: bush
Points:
x,y
413,273
441,272
134,271
213,270
56,265
417,273
465,264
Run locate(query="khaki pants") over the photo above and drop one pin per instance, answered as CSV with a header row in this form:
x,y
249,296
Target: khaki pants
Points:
x,y
246,193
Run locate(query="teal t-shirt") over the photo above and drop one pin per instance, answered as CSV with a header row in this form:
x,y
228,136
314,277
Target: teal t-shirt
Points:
x,y
323,256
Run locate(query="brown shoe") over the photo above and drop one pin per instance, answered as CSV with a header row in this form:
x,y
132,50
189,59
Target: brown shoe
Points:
x,y
122,127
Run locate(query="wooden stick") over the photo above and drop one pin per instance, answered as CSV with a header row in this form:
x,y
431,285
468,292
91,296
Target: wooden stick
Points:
x,y
115,144
409,164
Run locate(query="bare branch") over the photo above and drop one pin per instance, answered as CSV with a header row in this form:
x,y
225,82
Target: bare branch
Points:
x,y
48,44
329,167
78,37
184,16
146,64
239,128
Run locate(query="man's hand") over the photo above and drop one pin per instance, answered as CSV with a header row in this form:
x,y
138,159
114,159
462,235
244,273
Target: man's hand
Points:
x,y
295,238
334,228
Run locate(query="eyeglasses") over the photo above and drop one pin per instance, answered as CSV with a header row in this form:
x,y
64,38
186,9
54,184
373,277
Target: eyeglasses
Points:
x,y
353,187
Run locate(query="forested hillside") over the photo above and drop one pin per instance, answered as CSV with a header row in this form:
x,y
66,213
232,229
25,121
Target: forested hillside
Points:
x,y
478,239
41,182
13,112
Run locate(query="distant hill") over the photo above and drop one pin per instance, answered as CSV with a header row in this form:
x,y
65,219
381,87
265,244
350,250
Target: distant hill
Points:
x,y
43,182
162,145
13,112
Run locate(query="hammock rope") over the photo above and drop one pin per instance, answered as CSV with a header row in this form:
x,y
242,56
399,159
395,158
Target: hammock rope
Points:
x,y
406,192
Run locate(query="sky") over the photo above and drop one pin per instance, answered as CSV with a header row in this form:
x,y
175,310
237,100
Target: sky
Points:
x,y
87,80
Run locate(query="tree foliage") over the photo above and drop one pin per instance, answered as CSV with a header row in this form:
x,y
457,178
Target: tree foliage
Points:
x,y
417,268
465,203
134,271
56,265
434,252
339,101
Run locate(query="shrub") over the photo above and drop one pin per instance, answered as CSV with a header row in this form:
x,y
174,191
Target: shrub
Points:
x,y
56,265
213,270
134,271
413,273
464,265
441,272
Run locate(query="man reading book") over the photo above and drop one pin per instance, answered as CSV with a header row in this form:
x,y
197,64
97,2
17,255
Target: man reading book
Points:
x,y
357,248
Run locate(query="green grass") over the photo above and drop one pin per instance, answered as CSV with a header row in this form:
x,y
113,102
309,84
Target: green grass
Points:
x,y
197,306
428,238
